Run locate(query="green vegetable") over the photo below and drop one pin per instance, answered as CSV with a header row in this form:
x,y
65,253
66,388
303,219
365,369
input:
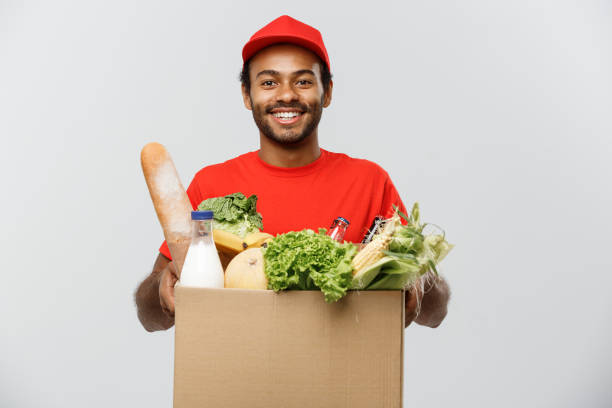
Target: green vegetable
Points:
x,y
390,272
234,213
363,278
391,281
410,254
307,260
409,243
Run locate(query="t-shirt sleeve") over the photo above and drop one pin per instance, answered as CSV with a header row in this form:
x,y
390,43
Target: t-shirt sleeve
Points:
x,y
195,197
390,198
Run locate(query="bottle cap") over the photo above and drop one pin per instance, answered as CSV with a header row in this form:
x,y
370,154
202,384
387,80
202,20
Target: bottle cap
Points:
x,y
343,219
201,215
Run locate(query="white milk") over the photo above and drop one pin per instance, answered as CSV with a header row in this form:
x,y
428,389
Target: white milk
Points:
x,y
202,267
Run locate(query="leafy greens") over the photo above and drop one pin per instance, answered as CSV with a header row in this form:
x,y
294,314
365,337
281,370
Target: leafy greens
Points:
x,y
411,244
234,213
411,253
307,260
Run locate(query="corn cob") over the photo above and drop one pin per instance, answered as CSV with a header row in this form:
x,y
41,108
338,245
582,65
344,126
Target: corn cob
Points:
x,y
373,251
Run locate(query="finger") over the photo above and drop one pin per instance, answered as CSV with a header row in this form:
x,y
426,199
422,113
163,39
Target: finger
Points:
x,y
411,302
166,293
169,281
172,268
168,307
168,310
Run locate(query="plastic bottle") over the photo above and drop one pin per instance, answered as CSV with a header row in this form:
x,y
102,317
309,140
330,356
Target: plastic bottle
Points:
x,y
338,229
202,267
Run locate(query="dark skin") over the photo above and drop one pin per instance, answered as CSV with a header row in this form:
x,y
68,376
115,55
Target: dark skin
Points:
x,y
155,296
287,78
284,78
155,299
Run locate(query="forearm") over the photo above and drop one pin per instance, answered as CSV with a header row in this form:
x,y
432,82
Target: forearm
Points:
x,y
434,305
150,312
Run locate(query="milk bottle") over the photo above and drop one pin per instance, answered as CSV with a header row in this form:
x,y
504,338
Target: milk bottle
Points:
x,y
202,267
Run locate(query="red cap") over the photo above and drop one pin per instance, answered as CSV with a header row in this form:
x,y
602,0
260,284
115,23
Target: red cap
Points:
x,y
286,30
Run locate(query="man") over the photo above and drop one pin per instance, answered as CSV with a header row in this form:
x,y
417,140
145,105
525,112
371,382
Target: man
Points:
x,y
286,83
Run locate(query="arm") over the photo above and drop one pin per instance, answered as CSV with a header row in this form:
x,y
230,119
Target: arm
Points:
x,y
427,302
155,296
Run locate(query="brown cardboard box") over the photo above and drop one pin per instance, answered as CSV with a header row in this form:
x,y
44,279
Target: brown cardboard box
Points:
x,y
256,348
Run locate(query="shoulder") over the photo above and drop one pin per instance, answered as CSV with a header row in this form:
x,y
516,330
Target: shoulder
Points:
x,y
223,167
359,165
207,181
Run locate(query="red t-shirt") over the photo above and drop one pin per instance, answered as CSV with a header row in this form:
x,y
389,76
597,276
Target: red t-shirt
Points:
x,y
312,196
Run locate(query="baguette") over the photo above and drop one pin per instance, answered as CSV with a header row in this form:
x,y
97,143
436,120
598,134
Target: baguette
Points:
x,y
170,200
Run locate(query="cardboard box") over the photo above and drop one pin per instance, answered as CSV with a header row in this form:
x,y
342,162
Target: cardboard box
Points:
x,y
256,348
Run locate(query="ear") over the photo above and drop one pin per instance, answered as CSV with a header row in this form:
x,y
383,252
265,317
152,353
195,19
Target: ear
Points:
x,y
328,95
246,98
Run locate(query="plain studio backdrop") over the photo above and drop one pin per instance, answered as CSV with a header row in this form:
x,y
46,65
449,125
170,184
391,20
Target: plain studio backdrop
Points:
x,y
495,116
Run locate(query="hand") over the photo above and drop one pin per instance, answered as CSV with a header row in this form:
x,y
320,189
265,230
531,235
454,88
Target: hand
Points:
x,y
434,305
414,297
167,280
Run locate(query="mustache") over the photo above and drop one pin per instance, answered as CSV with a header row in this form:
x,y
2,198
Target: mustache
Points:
x,y
294,105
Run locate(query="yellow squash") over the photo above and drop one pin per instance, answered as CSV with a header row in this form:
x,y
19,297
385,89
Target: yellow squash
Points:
x,y
246,270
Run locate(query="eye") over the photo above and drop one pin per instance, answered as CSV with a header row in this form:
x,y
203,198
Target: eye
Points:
x,y
304,82
267,84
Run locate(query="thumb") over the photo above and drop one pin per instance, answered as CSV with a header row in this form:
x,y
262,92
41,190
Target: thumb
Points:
x,y
173,271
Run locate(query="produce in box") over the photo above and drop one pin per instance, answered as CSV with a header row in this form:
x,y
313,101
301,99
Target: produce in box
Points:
x,y
399,255
396,258
236,223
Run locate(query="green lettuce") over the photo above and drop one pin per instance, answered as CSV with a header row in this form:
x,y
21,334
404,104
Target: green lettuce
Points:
x,y
307,260
234,213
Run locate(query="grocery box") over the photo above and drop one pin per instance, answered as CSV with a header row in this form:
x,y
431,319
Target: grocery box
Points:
x,y
257,348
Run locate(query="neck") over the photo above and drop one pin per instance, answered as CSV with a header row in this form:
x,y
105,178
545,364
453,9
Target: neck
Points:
x,y
293,155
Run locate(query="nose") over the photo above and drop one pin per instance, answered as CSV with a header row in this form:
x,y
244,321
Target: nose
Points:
x,y
286,93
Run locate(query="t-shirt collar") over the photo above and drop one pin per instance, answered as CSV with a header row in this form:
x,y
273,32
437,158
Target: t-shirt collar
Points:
x,y
293,171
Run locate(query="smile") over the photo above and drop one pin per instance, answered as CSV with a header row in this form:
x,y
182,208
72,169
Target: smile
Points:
x,y
287,118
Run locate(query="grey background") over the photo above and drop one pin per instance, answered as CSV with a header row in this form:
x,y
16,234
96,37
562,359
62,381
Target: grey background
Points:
x,y
495,116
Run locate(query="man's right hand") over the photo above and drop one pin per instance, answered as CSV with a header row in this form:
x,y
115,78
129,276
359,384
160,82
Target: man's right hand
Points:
x,y
167,280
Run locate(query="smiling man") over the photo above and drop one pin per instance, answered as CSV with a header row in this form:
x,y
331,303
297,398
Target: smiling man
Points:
x,y
286,83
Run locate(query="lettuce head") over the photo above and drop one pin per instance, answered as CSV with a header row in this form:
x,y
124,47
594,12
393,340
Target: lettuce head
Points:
x,y
307,260
234,213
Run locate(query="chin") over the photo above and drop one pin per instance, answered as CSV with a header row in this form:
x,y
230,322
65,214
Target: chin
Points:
x,y
287,139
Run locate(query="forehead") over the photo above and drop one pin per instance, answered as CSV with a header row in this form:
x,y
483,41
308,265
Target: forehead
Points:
x,y
284,58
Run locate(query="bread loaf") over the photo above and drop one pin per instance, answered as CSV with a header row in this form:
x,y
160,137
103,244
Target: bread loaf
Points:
x,y
170,200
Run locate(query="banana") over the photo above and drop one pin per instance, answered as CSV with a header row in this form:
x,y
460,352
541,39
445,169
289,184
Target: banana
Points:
x,y
228,243
265,243
257,239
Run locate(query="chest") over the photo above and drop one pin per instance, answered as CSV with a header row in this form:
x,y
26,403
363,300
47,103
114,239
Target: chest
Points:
x,y
295,203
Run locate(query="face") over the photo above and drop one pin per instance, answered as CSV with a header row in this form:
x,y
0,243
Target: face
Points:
x,y
286,96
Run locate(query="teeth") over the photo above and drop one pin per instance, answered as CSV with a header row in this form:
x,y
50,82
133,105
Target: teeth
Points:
x,y
286,114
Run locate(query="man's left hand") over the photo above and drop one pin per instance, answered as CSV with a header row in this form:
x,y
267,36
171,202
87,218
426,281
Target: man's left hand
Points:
x,y
414,298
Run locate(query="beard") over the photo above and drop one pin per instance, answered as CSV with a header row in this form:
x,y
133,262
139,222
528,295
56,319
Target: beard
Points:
x,y
288,136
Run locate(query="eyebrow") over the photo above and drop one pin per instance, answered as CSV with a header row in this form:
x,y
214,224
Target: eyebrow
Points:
x,y
304,71
274,73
